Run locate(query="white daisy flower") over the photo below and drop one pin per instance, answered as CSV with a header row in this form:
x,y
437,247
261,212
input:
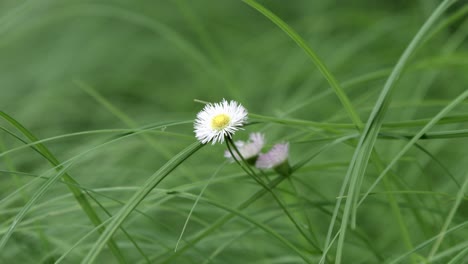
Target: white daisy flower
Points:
x,y
277,156
248,149
219,120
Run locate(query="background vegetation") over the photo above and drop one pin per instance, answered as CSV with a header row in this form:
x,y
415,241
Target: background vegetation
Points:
x,y
110,87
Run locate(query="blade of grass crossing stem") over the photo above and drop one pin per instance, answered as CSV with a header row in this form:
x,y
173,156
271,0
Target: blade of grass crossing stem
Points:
x,y
459,257
413,141
23,196
252,221
375,122
79,196
448,220
427,242
149,185
37,195
244,165
260,193
315,59
368,138
208,182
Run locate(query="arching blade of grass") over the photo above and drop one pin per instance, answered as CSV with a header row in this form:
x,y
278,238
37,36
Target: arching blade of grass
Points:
x,y
258,224
448,220
195,204
433,158
275,182
427,242
82,238
433,135
443,255
244,165
23,195
71,183
459,14
152,182
315,59
37,195
413,141
369,136
117,131
459,257
78,194
338,127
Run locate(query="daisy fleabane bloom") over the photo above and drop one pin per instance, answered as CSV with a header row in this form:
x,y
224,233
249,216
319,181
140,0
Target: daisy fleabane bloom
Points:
x,y
219,120
278,155
248,149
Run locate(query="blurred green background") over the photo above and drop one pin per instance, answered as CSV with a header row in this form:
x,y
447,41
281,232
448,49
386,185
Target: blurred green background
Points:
x,y
70,66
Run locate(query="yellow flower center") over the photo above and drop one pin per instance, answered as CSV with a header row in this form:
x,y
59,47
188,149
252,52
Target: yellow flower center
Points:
x,y
220,121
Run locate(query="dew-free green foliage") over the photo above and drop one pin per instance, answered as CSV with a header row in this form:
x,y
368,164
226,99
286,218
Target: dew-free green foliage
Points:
x,y
97,156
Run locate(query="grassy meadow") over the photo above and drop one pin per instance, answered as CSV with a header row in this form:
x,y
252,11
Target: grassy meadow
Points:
x,y
99,162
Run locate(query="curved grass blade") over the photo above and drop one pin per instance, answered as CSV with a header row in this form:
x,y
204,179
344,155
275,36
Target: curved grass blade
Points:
x,y
118,131
260,193
71,183
413,141
79,196
368,138
38,194
459,257
262,226
149,185
195,204
244,165
315,59
427,242
448,220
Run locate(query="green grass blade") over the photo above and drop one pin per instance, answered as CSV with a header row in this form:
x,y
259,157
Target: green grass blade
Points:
x,y
275,182
130,206
258,224
37,195
117,131
459,257
315,59
413,141
195,204
448,220
78,194
427,242
366,143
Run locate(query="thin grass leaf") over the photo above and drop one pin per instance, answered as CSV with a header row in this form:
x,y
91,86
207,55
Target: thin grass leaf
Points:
x,y
226,218
366,143
313,56
427,242
79,196
131,205
262,226
448,220
413,141
459,257
195,204
72,183
153,128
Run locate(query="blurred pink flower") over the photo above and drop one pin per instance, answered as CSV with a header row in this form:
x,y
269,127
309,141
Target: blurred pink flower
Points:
x,y
248,149
277,156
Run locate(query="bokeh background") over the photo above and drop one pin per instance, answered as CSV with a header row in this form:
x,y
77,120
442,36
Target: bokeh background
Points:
x,y
70,66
